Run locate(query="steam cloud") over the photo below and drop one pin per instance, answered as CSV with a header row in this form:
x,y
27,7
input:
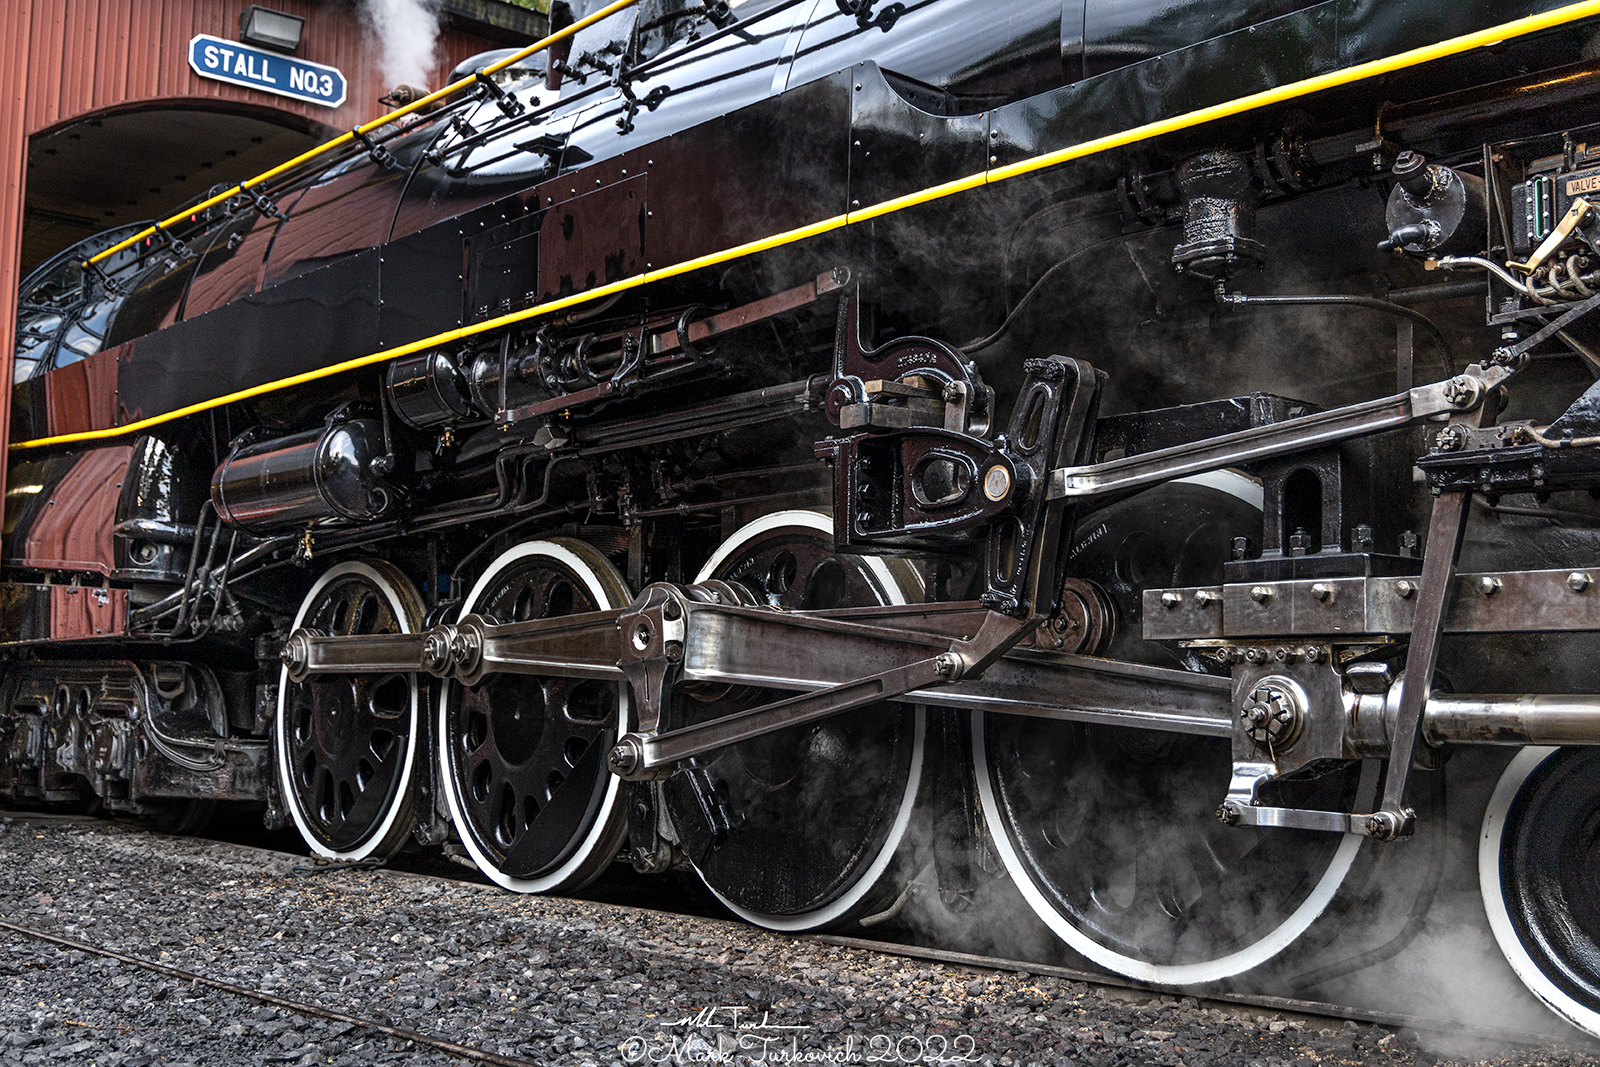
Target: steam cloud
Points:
x,y
406,33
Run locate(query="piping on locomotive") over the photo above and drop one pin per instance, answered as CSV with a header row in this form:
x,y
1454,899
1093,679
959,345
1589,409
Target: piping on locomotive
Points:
x,y
817,441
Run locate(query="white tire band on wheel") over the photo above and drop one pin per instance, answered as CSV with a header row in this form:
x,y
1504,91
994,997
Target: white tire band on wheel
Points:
x,y
1173,974
894,595
397,606
1490,840
1254,954
603,597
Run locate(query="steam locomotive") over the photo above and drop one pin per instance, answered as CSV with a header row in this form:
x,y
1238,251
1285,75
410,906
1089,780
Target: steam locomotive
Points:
x,y
1122,448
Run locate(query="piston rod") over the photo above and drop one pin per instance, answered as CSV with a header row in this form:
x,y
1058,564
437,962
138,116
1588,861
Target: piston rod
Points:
x,y
1512,719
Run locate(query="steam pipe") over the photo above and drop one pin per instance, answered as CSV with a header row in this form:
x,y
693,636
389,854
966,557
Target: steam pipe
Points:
x,y
1424,294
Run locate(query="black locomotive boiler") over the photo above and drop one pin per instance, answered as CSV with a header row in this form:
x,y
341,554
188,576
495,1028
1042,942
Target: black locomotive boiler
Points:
x,y
1125,448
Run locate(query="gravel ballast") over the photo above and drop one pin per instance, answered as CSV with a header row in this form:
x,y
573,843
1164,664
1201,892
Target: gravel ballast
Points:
x,y
551,981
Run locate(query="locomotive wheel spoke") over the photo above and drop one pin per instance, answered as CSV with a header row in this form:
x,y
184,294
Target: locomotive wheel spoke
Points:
x,y
347,743
1111,833
1536,870
798,829
523,757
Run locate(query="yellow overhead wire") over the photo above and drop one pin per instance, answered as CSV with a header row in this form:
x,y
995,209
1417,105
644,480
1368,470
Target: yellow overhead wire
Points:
x,y
376,124
1361,71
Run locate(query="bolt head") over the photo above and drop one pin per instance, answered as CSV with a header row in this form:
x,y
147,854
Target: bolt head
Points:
x,y
1171,600
1488,585
1578,581
1261,594
1405,590
623,758
1323,592
1462,391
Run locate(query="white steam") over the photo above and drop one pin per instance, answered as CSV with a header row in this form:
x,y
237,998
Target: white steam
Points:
x,y
406,33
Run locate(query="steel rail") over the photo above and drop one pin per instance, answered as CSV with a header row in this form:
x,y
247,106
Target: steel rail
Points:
x,y
1367,71
296,1006
361,131
1323,1009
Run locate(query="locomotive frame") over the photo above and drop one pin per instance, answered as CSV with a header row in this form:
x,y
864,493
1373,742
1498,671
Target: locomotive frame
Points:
x,y
1038,581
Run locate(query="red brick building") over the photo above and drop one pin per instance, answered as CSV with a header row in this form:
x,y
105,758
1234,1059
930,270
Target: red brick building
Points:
x,y
104,123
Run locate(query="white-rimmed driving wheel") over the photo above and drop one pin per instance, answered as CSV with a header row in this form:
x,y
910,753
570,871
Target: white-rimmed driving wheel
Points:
x,y
1111,833
523,758
1540,879
347,745
799,829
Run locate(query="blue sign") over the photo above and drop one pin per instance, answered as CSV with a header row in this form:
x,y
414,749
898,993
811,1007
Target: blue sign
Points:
x,y
239,64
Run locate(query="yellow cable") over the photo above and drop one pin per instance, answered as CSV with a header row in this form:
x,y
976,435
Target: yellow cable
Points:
x,y
377,123
1454,46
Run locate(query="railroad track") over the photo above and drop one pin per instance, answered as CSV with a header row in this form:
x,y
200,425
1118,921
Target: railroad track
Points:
x,y
281,1003
1230,1002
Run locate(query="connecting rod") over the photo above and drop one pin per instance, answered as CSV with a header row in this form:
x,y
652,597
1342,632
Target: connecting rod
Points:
x,y
675,639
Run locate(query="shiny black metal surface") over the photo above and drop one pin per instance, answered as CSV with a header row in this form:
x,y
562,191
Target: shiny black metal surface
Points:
x,y
303,479
975,366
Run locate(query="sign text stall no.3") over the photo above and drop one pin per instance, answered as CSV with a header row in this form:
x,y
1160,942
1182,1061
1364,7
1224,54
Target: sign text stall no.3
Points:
x,y
239,64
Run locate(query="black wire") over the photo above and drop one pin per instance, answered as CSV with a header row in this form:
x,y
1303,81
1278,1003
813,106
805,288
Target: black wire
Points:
x,y
979,345
1370,303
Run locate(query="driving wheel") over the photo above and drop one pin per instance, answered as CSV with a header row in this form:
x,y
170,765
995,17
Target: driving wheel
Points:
x,y
523,758
347,743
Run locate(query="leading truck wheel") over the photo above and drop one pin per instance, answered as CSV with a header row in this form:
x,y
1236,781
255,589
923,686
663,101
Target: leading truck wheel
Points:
x,y
1111,833
1539,871
523,758
347,744
799,829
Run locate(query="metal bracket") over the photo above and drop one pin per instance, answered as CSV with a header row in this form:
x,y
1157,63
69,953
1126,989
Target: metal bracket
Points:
x,y
264,207
177,247
380,155
509,105
1516,352
1240,809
